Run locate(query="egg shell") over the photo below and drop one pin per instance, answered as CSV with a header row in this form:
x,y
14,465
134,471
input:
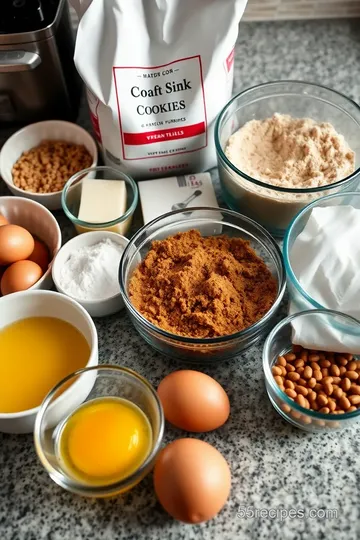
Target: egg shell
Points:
x,y
20,276
3,220
2,270
192,480
16,244
193,401
40,255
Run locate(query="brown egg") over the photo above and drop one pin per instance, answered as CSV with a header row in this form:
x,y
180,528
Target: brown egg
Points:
x,y
20,276
193,401
2,270
192,480
40,255
16,244
3,220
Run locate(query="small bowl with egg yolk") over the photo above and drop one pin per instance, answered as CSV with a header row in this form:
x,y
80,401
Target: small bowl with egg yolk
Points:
x,y
121,420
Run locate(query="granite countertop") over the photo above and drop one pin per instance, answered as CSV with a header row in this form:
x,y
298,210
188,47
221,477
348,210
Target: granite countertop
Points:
x,y
273,464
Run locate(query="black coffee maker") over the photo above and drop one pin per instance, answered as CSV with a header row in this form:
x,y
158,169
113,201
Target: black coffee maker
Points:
x,y
38,79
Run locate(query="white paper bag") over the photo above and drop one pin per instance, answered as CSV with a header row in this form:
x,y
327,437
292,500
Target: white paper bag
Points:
x,y
157,72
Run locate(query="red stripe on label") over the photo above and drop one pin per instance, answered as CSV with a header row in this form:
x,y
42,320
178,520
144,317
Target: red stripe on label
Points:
x,y
96,126
162,135
230,60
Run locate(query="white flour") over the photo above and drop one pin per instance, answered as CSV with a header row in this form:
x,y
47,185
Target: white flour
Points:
x,y
291,152
287,152
91,272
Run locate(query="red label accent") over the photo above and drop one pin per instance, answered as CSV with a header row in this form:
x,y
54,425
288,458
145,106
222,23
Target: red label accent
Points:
x,y
96,126
159,135
230,60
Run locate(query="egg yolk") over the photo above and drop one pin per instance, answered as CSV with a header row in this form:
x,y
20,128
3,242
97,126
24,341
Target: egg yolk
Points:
x,y
105,440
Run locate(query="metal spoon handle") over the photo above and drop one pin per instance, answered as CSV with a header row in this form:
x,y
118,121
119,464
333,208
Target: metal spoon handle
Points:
x,y
193,196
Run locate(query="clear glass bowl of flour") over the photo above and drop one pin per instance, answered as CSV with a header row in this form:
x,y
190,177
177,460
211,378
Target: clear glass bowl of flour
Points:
x,y
275,206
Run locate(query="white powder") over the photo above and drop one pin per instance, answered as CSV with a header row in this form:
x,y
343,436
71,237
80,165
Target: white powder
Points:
x,y
91,272
325,258
291,152
282,151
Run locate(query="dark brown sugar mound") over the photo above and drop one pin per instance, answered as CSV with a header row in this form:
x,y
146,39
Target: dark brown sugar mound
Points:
x,y
202,287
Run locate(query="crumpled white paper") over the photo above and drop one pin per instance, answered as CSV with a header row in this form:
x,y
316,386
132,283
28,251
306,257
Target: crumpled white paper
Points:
x,y
325,258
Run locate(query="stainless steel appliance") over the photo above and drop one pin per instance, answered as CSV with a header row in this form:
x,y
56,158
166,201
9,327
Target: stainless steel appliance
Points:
x,y
38,79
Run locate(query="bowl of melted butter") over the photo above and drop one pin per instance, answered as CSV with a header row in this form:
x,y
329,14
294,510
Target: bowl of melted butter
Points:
x,y
44,336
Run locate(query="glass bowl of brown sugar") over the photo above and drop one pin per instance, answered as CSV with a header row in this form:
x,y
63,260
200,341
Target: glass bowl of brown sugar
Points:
x,y
202,284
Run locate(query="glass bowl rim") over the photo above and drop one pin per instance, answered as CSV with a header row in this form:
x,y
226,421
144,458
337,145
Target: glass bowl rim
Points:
x,y
74,485
286,250
219,339
269,378
252,180
128,179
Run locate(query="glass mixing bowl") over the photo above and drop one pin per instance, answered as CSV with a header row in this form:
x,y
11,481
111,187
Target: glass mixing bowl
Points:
x,y
209,221
93,383
277,344
273,206
71,198
300,297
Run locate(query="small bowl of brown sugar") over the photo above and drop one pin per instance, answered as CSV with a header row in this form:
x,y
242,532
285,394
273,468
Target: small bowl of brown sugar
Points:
x,y
207,286
38,160
314,388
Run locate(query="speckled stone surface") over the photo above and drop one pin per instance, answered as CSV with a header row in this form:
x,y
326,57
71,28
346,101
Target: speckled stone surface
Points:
x,y
273,465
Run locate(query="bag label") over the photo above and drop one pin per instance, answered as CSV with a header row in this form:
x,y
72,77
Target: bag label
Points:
x,y
161,109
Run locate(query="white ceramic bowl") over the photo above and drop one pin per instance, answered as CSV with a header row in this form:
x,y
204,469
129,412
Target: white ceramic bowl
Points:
x,y
39,222
96,308
32,135
22,305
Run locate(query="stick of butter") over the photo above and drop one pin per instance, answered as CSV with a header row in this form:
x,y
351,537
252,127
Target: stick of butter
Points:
x,y
102,200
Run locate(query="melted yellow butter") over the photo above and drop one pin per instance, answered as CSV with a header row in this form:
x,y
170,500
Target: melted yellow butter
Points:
x,y
35,354
104,441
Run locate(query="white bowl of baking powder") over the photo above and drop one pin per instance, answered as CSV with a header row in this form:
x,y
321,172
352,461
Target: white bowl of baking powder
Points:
x,y
86,269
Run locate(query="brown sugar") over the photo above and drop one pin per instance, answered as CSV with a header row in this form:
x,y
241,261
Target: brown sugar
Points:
x,y
47,167
202,287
